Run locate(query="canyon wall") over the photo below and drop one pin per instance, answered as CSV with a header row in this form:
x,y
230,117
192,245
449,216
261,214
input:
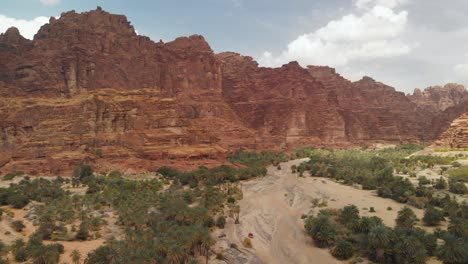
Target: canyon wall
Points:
x,y
87,87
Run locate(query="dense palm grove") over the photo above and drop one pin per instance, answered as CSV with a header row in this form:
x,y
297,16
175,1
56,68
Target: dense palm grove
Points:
x,y
348,234
166,219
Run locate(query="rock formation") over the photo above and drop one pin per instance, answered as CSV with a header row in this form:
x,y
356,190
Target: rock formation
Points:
x,y
89,88
439,98
456,136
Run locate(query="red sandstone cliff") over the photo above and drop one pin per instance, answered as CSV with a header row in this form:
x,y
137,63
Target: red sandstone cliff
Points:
x,y
88,88
456,136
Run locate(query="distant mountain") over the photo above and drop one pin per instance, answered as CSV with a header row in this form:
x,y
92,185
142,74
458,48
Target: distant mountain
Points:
x,y
89,88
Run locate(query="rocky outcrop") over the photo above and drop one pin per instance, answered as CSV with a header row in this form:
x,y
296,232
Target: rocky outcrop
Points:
x,y
456,136
439,98
89,88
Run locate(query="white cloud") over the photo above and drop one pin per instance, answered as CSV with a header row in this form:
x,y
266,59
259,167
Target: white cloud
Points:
x,y
461,71
365,4
27,28
236,3
50,2
377,33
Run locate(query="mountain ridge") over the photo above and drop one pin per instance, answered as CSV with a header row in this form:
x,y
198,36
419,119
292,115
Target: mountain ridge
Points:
x,y
87,87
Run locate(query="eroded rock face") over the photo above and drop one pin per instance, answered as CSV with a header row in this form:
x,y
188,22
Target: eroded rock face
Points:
x,y
456,136
89,88
439,98
297,106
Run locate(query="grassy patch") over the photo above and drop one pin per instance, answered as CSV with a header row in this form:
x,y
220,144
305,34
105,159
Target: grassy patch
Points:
x,y
459,174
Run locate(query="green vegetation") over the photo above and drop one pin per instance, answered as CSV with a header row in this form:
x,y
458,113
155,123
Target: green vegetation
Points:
x,y
433,216
346,234
18,225
258,160
158,225
451,149
459,174
374,170
213,176
457,187
11,176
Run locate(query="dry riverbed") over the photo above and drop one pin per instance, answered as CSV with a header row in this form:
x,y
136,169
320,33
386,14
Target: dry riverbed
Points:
x,y
272,208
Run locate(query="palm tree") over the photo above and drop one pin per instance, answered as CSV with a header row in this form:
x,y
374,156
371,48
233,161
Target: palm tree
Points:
x,y
406,218
379,236
454,250
414,251
206,244
349,215
76,256
321,229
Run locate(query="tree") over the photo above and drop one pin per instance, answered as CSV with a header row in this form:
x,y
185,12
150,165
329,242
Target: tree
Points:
x,y
349,215
21,255
18,225
433,216
18,200
221,221
83,233
379,237
343,250
406,218
457,187
82,171
453,251
321,229
75,256
410,250
458,227
367,223
440,184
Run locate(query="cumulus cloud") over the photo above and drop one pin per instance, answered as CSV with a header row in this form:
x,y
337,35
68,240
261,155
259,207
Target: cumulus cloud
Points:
x,y
50,2
376,33
27,28
364,4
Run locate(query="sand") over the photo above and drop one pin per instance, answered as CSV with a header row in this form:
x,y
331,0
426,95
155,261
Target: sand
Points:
x,y
272,207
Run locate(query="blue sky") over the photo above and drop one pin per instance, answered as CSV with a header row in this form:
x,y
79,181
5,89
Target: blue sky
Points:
x,y
404,43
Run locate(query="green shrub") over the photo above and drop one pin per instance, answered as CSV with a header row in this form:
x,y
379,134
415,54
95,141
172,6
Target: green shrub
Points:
x,y
423,180
433,216
21,255
11,176
406,218
209,222
322,230
343,250
18,225
440,184
457,187
221,221
17,200
82,233
82,171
